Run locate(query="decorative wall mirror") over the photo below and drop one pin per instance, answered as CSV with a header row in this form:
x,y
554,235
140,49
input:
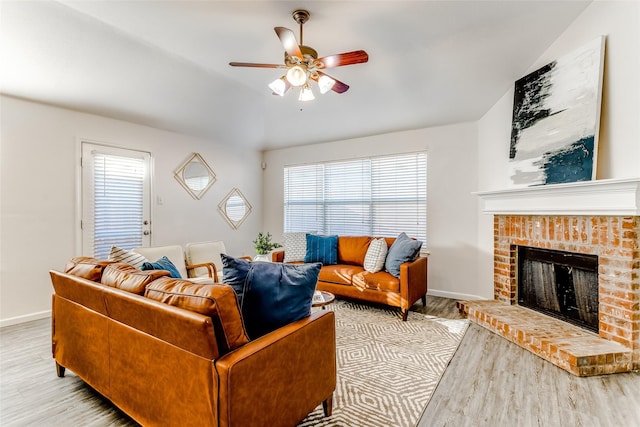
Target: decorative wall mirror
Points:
x,y
234,208
195,176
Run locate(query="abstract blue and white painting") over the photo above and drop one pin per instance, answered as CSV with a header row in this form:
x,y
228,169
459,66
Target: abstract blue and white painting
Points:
x,y
556,118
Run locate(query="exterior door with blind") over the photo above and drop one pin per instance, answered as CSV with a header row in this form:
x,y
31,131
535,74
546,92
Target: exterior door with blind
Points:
x,y
116,199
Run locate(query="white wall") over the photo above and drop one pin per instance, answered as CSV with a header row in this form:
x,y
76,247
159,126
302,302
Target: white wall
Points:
x,y
619,141
38,180
451,208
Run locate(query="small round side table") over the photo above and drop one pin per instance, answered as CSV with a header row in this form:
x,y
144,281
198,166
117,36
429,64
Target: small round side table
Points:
x,y
322,298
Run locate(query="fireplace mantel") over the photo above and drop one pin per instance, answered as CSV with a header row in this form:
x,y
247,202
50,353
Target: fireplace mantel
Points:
x,y
615,197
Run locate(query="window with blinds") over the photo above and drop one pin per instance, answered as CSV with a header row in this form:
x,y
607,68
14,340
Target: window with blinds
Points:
x,y
377,196
115,200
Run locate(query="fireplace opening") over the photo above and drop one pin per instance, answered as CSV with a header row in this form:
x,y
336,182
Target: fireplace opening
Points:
x,y
560,284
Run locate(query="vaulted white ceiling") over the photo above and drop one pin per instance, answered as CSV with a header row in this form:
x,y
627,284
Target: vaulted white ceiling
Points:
x,y
165,63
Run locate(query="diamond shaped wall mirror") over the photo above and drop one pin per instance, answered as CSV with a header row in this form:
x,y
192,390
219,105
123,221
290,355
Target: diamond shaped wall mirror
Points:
x,y
234,208
195,176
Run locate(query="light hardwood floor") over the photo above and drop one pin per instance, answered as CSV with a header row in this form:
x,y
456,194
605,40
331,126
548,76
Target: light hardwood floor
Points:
x,y
493,382
490,382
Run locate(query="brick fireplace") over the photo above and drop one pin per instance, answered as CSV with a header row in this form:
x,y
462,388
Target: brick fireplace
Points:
x,y
557,219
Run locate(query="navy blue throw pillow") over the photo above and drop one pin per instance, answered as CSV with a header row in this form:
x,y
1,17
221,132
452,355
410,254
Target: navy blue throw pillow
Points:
x,y
322,249
234,273
404,249
274,294
162,264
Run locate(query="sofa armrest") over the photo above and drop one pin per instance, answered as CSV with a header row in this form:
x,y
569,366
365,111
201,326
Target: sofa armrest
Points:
x,y
280,377
277,256
413,281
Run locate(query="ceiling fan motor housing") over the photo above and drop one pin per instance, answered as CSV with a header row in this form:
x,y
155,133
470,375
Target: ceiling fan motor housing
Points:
x,y
307,52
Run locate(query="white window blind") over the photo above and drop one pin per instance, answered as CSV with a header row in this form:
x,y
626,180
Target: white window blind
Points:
x,y
378,196
116,207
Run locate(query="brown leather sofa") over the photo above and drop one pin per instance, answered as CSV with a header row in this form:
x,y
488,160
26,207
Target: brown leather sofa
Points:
x,y
349,279
166,365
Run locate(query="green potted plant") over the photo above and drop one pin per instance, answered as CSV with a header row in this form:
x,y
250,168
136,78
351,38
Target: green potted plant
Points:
x,y
264,245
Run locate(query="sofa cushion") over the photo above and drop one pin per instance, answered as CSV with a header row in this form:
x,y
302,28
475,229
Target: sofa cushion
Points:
x,y
126,277
86,267
381,281
404,249
162,264
275,294
376,255
322,249
122,255
339,274
217,301
295,246
352,249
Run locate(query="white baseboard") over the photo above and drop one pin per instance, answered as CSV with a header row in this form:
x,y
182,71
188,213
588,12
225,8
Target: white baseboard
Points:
x,y
453,295
25,318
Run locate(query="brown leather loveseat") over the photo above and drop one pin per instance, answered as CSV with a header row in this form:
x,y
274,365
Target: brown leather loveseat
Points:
x,y
124,332
349,279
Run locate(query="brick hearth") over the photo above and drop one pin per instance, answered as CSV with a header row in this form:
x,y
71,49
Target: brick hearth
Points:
x,y
614,239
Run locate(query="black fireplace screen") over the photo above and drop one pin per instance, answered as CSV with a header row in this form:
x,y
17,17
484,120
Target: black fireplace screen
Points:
x,y
560,284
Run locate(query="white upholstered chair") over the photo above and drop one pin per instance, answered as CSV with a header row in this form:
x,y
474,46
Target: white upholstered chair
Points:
x,y
177,257
202,253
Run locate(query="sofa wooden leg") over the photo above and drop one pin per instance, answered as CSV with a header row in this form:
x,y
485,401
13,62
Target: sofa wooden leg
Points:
x,y
405,314
60,370
424,300
327,406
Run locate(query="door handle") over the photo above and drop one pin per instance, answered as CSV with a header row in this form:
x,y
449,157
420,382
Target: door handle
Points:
x,y
146,232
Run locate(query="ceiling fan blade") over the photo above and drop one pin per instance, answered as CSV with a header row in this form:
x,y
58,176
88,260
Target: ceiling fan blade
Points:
x,y
251,64
338,86
347,58
289,42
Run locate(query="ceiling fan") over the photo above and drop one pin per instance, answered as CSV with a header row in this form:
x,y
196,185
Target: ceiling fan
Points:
x,y
302,64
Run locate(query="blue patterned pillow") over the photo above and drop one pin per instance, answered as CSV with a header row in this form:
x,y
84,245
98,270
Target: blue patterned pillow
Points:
x,y
162,264
404,249
322,249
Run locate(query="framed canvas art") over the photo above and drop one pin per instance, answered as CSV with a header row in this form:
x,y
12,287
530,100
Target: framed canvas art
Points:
x,y
556,120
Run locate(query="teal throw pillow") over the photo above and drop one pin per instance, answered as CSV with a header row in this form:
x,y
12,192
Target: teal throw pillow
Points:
x,y
322,249
274,294
404,249
162,264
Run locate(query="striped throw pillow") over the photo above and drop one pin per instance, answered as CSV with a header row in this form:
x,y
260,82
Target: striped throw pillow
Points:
x,y
122,255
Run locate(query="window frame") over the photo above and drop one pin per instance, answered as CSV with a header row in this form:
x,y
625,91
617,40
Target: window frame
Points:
x,y
376,192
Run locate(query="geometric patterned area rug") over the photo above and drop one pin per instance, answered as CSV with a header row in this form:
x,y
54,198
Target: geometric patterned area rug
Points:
x,y
387,368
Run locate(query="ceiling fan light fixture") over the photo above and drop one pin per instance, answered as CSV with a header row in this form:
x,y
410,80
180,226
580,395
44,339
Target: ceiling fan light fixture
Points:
x,y
325,83
278,86
296,75
306,94
302,63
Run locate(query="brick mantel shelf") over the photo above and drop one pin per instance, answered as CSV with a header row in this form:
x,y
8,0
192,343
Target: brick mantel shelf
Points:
x,y
615,197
